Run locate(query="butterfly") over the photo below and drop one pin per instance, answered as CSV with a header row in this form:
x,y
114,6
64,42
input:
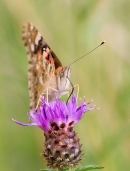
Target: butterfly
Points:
x,y
46,75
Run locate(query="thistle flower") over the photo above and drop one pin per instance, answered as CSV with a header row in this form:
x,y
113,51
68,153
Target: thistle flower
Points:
x,y
62,148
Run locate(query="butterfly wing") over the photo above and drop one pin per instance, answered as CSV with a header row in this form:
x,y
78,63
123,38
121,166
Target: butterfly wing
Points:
x,y
42,62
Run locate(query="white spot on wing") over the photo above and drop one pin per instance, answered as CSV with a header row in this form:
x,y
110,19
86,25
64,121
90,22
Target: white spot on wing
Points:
x,y
47,50
32,47
29,74
38,37
40,80
24,34
37,67
31,27
31,104
27,49
29,56
29,84
29,40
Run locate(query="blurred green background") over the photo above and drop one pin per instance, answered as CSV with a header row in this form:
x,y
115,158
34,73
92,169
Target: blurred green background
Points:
x,y
71,28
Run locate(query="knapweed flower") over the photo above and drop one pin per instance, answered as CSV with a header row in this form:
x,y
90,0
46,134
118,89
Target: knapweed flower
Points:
x,y
62,148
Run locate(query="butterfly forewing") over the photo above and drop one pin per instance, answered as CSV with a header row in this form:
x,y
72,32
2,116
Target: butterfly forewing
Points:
x,y
44,66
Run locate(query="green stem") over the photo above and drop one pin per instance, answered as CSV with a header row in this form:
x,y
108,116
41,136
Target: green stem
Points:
x,y
64,169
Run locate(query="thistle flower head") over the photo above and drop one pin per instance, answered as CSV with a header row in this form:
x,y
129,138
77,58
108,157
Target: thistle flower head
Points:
x,y
57,119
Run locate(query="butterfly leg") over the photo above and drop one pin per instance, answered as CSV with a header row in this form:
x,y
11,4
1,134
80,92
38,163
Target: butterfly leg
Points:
x,y
39,100
47,94
42,95
72,87
77,93
58,95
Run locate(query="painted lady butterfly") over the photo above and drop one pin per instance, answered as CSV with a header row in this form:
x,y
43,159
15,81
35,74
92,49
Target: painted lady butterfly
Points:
x,y
46,75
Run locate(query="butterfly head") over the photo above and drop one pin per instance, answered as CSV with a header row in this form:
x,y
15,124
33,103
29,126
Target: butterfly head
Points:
x,y
63,75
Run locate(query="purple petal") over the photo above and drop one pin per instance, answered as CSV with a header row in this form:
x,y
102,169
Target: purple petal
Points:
x,y
23,124
57,112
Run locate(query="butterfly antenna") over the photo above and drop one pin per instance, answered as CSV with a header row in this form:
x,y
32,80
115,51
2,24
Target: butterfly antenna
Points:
x,y
87,53
71,91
